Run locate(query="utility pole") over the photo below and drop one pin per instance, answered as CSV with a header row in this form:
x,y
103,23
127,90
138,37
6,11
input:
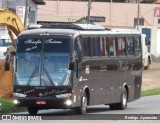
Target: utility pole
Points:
x,y
138,11
89,8
26,15
57,6
4,3
111,13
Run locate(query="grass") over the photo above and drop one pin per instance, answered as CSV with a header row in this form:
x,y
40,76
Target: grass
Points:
x,y
150,92
7,106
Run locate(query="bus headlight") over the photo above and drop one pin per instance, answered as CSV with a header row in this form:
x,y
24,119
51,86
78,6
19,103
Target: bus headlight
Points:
x,y
68,102
19,95
16,102
63,95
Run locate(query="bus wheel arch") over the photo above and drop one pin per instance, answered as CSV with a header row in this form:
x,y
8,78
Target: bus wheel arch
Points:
x,y
126,87
88,95
123,100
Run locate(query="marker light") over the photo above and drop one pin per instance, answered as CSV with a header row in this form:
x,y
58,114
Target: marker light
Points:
x,y
63,95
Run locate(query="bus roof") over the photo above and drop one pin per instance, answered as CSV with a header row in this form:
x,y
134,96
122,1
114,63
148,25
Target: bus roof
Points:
x,y
65,32
76,29
74,26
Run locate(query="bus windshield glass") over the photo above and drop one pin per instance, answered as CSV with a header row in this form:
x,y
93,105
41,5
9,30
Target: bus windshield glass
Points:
x,y
42,61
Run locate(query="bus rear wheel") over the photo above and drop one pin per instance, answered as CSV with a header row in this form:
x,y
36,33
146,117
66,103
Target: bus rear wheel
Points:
x,y
122,104
82,109
32,110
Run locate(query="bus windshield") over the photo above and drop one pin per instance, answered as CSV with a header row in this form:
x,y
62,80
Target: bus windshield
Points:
x,y
42,62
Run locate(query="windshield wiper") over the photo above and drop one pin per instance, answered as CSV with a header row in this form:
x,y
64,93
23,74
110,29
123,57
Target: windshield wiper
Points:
x,y
33,75
49,78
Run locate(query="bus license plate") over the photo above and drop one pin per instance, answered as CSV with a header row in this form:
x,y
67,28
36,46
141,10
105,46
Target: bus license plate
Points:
x,y
40,102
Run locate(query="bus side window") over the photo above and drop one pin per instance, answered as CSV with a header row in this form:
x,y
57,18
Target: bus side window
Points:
x,y
112,46
86,46
95,43
121,46
129,46
137,46
78,48
104,46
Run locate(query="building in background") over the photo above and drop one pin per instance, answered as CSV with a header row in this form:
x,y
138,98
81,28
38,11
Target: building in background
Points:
x,y
18,7
115,14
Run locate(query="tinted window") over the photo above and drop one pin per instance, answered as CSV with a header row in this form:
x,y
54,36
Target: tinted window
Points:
x,y
50,44
104,47
112,46
29,44
86,44
78,47
137,45
95,45
59,45
121,46
129,46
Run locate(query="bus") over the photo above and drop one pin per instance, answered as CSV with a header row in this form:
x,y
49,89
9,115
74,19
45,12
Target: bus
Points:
x,y
73,66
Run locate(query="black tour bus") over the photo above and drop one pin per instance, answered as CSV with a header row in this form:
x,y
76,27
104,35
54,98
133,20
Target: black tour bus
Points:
x,y
72,66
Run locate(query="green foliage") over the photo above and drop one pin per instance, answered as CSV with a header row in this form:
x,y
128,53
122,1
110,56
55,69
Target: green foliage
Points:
x,y
7,106
150,92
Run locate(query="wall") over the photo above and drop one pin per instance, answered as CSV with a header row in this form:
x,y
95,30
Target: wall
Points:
x,y
116,14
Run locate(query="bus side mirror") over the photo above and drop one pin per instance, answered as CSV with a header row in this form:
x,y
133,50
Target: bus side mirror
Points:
x,y
71,66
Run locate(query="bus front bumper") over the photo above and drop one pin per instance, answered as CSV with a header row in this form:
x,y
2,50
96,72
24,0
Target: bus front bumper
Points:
x,y
49,102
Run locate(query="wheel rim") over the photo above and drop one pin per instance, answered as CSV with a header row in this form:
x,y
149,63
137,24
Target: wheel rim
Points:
x,y
124,99
84,103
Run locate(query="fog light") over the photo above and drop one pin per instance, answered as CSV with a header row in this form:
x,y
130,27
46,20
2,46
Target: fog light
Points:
x,y
68,102
16,102
0,106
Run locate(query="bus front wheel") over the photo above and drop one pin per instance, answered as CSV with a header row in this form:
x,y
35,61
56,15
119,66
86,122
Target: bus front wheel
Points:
x,y
82,109
32,110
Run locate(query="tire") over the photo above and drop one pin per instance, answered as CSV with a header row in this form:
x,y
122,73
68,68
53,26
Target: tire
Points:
x,y
82,109
122,104
147,67
113,106
32,110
